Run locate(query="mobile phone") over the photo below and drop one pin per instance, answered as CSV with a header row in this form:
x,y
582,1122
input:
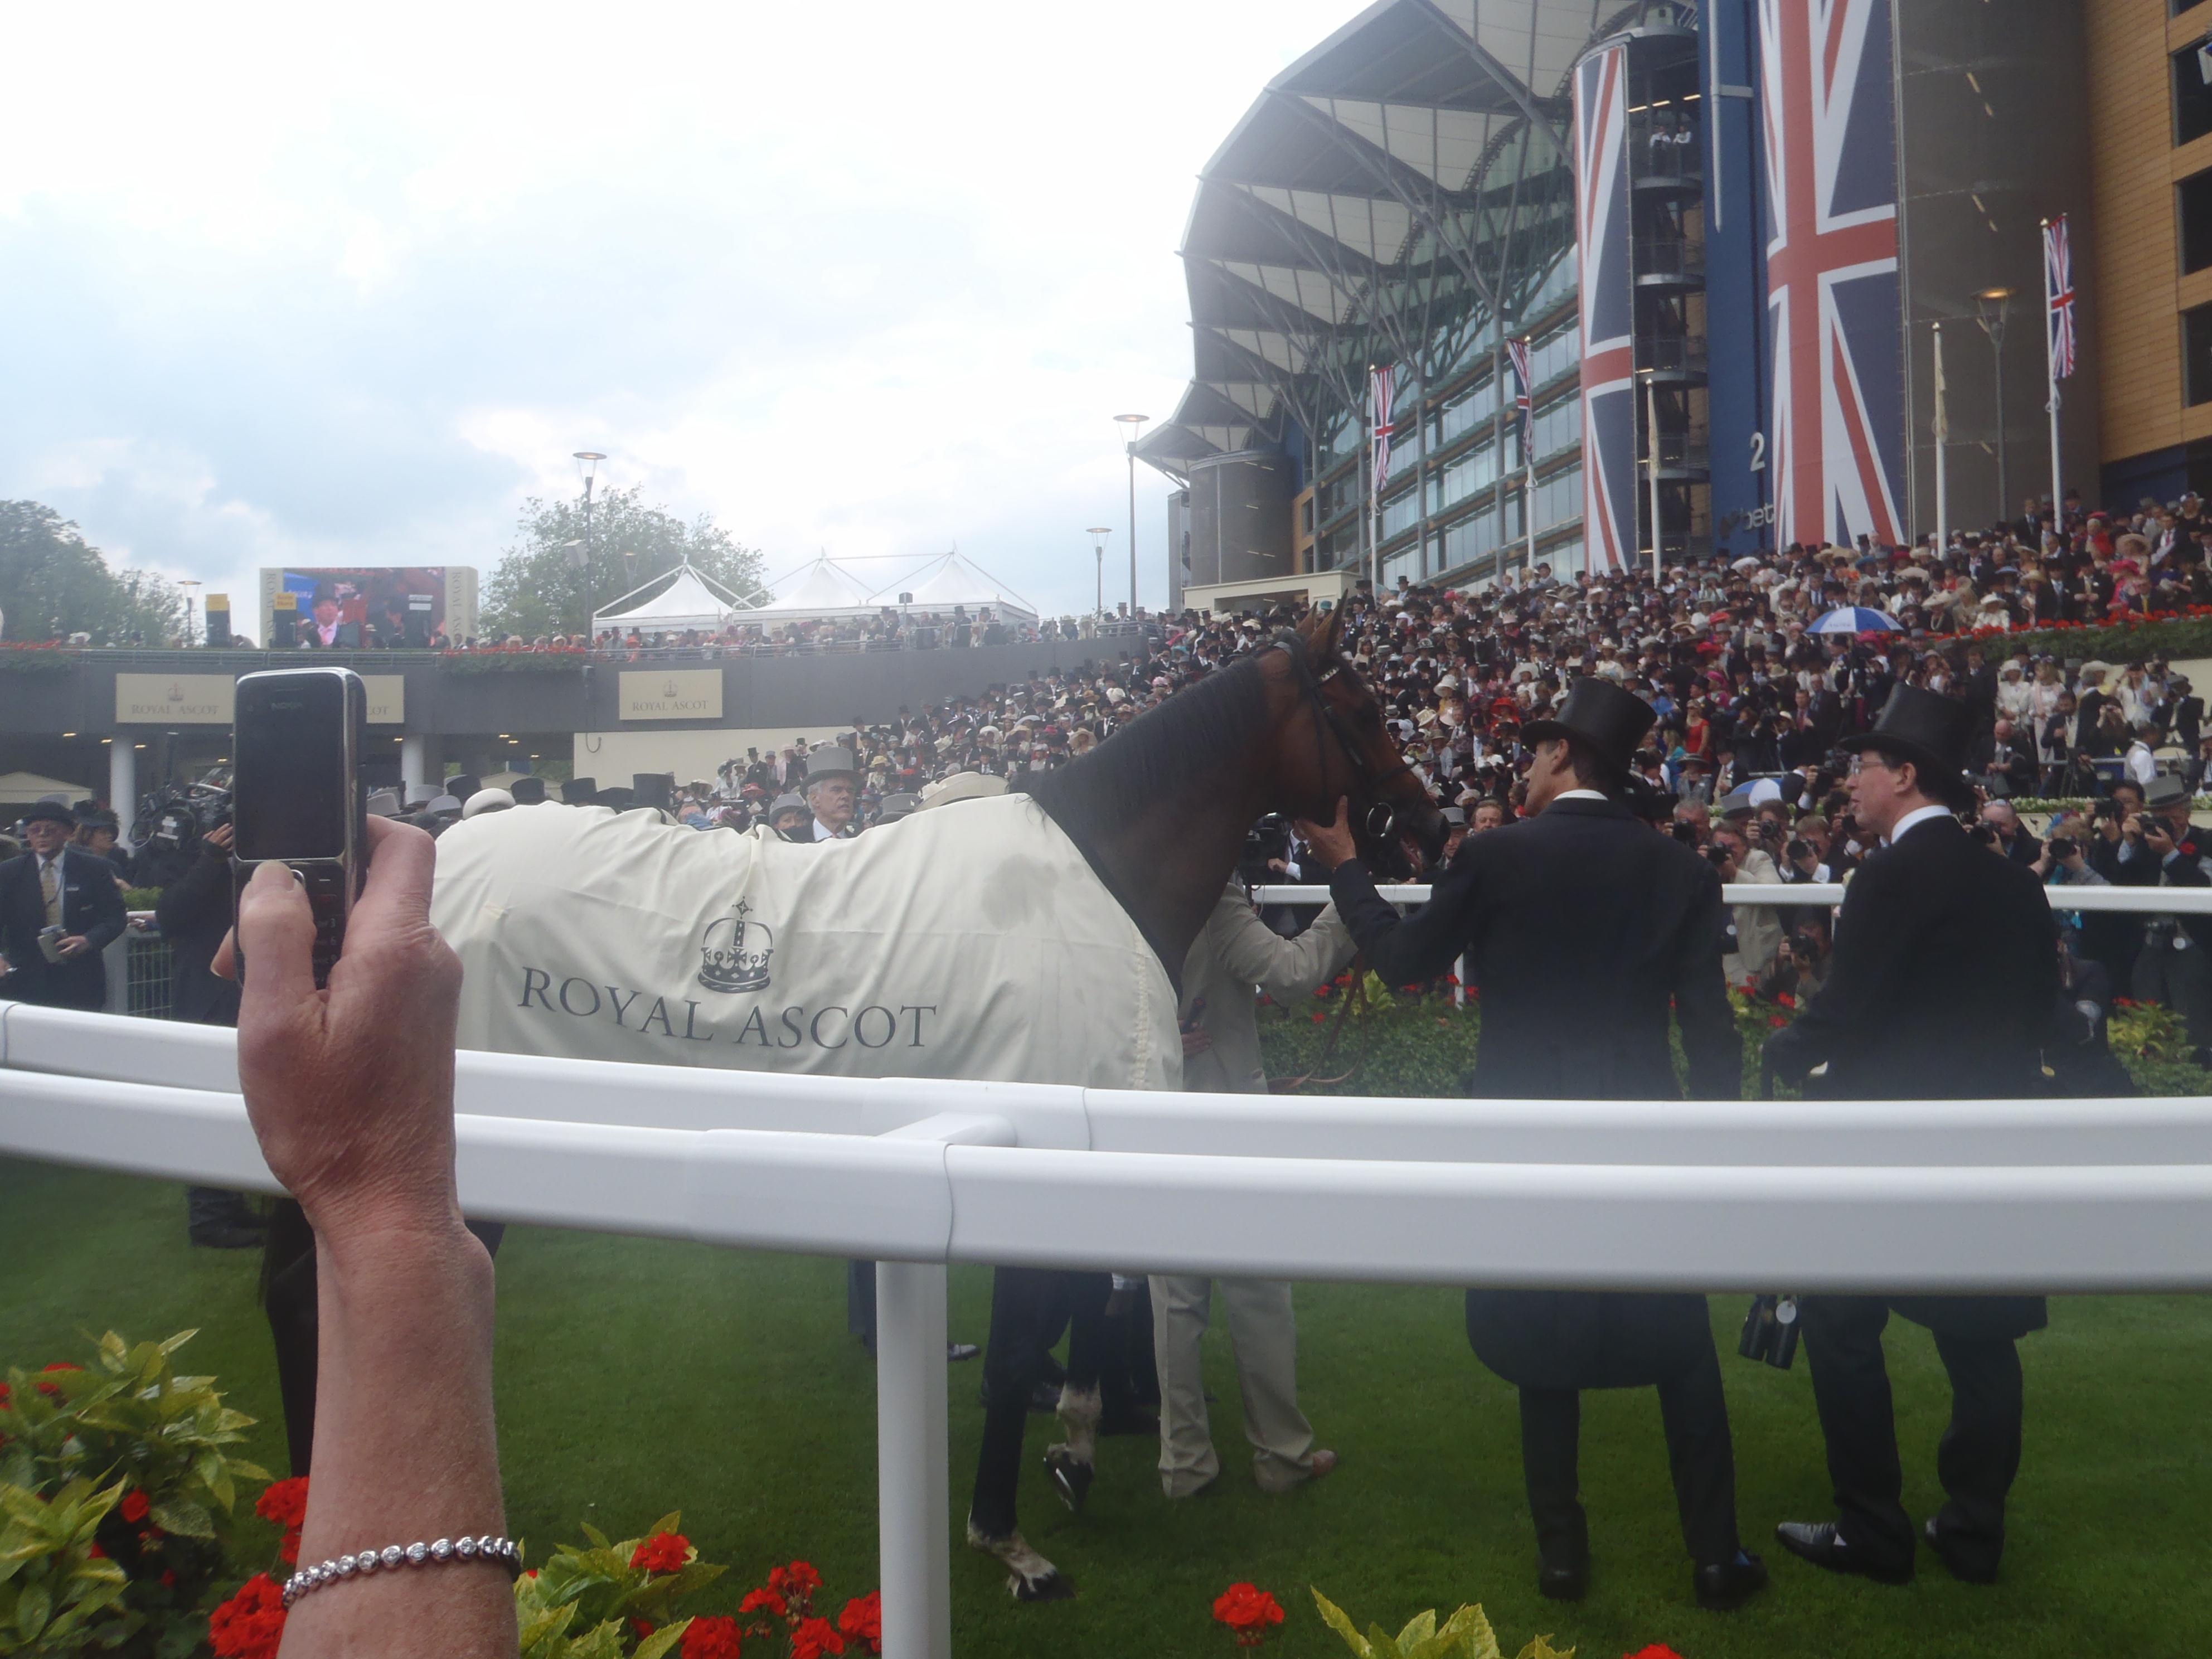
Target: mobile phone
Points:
x,y
296,796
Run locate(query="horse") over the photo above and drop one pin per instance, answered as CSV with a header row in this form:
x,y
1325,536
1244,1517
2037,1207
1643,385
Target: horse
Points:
x,y
1060,922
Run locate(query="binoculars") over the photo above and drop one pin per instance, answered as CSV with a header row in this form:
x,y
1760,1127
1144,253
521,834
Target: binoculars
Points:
x,y
1770,1331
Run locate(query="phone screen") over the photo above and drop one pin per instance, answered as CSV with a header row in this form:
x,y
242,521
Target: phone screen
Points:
x,y
288,772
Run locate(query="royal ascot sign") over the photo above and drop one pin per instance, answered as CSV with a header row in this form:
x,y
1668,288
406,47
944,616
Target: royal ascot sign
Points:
x,y
691,694
174,699
387,698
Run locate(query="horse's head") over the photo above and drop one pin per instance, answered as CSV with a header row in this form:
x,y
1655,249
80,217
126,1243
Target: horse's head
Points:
x,y
1332,743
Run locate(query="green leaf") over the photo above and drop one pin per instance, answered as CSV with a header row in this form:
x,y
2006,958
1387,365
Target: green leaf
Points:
x,y
33,1604
1379,1644
598,1538
672,1521
662,1641
184,1517
1338,1621
1470,1627
1419,1628
1542,1648
600,1642
547,1625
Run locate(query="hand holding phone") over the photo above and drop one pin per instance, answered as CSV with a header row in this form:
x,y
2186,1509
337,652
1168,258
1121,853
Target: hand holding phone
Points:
x,y
296,796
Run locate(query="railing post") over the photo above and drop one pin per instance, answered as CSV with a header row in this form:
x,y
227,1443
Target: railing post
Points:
x,y
912,1482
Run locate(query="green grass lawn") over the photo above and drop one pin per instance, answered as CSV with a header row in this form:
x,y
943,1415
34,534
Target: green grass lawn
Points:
x,y
637,1376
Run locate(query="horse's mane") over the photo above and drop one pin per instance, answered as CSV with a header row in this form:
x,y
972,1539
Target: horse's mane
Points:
x,y
1157,754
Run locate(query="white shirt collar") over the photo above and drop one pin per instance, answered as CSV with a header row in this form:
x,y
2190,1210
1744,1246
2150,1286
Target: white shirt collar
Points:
x,y
1904,825
1580,794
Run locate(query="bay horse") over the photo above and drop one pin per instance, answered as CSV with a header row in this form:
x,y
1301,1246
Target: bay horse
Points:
x,y
549,906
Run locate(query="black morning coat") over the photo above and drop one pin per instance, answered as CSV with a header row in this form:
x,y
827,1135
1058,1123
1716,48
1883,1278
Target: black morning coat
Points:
x,y
91,906
1583,928
1945,975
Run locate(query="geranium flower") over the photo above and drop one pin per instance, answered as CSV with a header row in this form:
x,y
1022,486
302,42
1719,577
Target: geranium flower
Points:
x,y
1657,1650
763,1601
814,1637
251,1625
1248,1610
664,1551
134,1506
716,1638
862,1621
798,1579
285,1502
53,1390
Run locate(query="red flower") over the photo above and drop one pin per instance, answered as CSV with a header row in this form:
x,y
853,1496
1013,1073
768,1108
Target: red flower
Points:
x,y
863,1620
814,1637
798,1579
289,1551
642,1626
763,1599
1321,1019
250,1623
168,1578
711,1638
1248,1610
1778,1021
1321,993
664,1551
1657,1650
284,1502
5,1395
52,1391
1786,1000
96,1552
134,1506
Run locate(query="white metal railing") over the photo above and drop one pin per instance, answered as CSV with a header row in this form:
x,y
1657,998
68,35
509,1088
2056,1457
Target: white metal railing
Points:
x,y
2156,901
1980,1195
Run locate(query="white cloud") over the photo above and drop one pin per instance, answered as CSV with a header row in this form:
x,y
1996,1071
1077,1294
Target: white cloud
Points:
x,y
874,276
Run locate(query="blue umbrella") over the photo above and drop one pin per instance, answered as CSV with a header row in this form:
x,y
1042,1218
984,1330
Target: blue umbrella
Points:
x,y
1858,619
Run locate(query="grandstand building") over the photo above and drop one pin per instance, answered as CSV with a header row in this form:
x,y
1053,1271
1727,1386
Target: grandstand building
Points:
x,y
1723,233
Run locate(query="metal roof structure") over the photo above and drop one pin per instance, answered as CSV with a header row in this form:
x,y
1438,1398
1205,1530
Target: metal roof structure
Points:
x,y
1389,198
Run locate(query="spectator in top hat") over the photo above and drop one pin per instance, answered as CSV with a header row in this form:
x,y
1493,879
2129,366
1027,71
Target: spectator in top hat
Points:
x,y
832,792
1580,906
59,908
1944,976
580,791
528,791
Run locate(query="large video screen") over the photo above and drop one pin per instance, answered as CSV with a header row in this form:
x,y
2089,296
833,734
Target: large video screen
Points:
x,y
360,608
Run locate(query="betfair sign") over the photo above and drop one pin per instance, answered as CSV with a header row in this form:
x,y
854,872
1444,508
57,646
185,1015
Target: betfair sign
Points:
x,y
694,694
174,699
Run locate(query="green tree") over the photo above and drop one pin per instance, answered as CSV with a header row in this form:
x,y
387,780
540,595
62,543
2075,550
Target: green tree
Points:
x,y
540,586
53,583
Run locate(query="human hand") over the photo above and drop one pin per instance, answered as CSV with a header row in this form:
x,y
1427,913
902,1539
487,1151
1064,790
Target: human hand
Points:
x,y
2133,828
1333,843
219,837
1197,1041
350,1088
72,945
2157,837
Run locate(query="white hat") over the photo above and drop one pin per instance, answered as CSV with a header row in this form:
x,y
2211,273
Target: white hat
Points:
x,y
488,800
960,786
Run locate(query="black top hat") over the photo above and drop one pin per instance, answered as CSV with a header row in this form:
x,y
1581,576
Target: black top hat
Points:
x,y
527,792
580,791
462,784
618,797
1601,716
1932,732
653,789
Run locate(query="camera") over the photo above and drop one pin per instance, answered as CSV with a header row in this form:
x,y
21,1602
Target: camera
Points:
x,y
2063,846
1770,1331
1799,847
1686,834
1983,833
1268,839
1716,856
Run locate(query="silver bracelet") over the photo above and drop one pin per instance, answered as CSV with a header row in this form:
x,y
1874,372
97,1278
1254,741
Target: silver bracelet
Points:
x,y
501,1552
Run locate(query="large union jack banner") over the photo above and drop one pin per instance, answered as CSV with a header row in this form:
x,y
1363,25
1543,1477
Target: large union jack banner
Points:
x,y
1834,316
1608,307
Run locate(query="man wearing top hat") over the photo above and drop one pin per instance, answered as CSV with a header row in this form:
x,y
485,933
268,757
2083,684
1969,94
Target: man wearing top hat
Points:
x,y
832,792
1583,928
1946,967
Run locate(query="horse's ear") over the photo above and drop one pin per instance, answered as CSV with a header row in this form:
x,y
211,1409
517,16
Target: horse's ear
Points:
x,y
1322,630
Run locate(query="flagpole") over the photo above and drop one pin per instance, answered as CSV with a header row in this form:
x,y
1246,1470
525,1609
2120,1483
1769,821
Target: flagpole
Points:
x,y
1651,439
2050,375
1374,499
1942,433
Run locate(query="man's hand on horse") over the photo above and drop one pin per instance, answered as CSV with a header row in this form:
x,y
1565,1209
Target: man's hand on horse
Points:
x,y
1332,843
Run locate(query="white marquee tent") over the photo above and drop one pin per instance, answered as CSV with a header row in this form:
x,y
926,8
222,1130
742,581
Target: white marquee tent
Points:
x,y
693,600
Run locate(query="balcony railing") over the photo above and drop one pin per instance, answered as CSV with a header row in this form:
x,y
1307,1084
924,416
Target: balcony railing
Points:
x,y
1671,257
1671,354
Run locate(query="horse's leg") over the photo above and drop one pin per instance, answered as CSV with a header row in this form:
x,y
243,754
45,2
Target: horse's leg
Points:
x,y
1070,1463
1028,1308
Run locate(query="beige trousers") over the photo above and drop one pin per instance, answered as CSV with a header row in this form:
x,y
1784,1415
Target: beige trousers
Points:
x,y
1264,1335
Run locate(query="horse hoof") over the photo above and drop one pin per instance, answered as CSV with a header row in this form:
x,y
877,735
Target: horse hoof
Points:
x,y
1070,1477
1055,1586
1030,1577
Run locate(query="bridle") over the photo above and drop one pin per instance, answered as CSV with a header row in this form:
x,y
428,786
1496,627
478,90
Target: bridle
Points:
x,y
1328,723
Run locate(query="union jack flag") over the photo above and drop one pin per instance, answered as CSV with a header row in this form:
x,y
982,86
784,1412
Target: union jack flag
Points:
x,y
1379,385
1608,307
1517,352
2058,295
1833,309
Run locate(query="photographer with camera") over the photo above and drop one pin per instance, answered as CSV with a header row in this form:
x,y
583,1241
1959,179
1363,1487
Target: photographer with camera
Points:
x,y
1800,966
2173,967
1943,986
194,916
1755,930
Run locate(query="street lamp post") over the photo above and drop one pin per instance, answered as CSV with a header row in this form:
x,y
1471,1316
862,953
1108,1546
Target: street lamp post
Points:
x,y
1098,533
587,463
1136,425
188,583
1991,303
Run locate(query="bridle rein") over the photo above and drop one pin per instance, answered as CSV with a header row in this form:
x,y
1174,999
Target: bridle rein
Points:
x,y
1328,723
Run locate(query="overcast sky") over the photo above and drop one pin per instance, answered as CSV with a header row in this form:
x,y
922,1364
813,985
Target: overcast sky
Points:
x,y
321,286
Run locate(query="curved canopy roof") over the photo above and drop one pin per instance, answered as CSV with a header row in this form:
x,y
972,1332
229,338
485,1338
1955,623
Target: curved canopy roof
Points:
x,y
692,600
1389,198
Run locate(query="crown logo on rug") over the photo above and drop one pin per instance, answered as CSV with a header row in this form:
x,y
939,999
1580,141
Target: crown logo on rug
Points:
x,y
733,955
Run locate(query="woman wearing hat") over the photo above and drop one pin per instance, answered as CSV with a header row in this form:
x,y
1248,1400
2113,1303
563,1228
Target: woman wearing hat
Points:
x,y
1580,906
1945,973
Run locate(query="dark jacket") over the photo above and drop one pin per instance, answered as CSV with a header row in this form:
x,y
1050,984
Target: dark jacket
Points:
x,y
194,914
1943,985
91,906
1583,928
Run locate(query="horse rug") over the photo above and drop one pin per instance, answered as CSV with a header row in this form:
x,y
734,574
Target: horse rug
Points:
x,y
972,940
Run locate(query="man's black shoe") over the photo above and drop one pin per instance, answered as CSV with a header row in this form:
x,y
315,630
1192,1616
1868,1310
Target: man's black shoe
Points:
x,y
1569,1583
230,1236
1948,1555
1819,1542
1726,1585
